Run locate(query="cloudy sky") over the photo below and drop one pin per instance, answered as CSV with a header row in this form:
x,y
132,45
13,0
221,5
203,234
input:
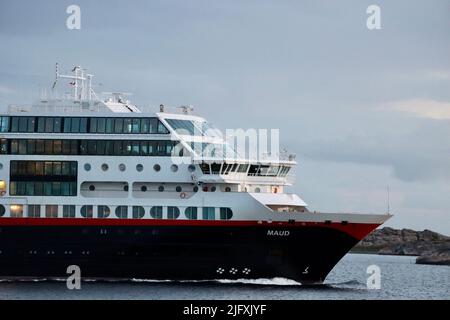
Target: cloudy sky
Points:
x,y
362,109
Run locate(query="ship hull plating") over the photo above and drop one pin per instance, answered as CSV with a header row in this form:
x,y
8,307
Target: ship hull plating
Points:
x,y
302,253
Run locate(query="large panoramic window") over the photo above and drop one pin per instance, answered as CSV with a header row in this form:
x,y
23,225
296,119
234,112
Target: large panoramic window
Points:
x,y
43,178
161,148
82,125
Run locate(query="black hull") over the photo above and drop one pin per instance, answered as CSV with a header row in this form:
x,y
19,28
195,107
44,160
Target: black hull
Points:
x,y
305,254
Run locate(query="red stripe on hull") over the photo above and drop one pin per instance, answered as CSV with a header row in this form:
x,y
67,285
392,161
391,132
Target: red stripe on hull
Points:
x,y
356,230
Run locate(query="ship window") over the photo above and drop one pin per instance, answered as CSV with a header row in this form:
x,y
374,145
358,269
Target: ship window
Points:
x,y
215,168
34,211
127,125
122,212
122,167
209,213
48,125
75,126
162,128
118,125
135,125
139,167
138,212
101,122
161,188
242,168
205,168
103,211
174,168
87,211
144,188
3,146
178,189
109,125
23,124
83,125
191,213
173,212
195,189
213,189
156,212
2,210
4,124
92,147
87,167
2,185
68,211
144,148
145,125
16,210
253,170
51,211
157,167
105,167
65,189
226,214
22,147
191,168
93,125
153,125
227,189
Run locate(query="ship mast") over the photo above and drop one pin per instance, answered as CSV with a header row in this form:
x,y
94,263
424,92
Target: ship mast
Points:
x,y
81,83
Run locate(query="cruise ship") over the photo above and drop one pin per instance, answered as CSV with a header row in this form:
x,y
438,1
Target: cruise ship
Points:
x,y
126,192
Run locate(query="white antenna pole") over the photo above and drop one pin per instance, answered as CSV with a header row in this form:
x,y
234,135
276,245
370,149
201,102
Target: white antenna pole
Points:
x,y
388,201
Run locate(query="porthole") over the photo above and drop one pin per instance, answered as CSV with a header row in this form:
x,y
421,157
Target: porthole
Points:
x,y
156,167
103,211
2,210
191,213
138,212
139,167
161,188
122,212
227,189
174,168
122,167
144,188
213,189
178,189
91,187
125,188
87,211
191,168
105,167
195,189
226,213
173,213
87,167
156,212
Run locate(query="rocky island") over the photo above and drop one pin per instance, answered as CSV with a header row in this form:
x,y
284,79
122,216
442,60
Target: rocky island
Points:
x,y
429,247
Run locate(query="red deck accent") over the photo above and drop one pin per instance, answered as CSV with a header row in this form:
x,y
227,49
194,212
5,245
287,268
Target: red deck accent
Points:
x,y
356,230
